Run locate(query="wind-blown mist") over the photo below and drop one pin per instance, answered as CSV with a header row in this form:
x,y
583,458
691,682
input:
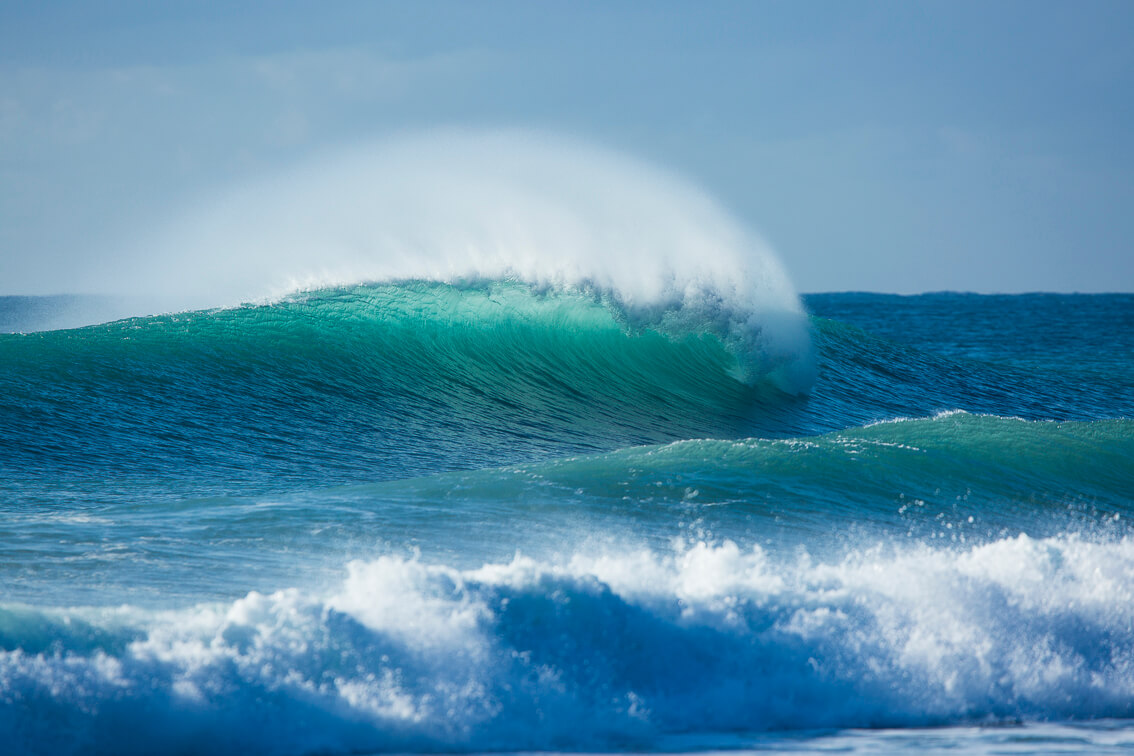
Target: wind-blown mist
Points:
x,y
460,207
457,205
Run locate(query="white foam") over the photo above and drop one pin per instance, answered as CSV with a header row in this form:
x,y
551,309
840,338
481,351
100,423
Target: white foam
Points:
x,y
598,650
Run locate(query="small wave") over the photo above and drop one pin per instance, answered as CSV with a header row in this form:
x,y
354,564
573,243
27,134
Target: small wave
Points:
x,y
959,480
606,650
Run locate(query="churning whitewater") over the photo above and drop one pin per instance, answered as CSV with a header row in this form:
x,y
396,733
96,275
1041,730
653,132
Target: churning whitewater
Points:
x,y
481,442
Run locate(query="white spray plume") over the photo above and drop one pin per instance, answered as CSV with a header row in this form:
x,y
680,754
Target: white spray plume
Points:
x,y
457,205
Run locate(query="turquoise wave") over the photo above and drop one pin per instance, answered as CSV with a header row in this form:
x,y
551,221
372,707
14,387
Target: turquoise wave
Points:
x,y
400,380
371,382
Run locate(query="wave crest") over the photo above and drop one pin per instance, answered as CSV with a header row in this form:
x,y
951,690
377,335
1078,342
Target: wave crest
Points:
x,y
455,206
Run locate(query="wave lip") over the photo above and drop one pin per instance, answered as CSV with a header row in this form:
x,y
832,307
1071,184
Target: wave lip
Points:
x,y
639,645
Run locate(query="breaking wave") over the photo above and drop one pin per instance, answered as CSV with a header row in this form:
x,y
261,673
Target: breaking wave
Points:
x,y
641,645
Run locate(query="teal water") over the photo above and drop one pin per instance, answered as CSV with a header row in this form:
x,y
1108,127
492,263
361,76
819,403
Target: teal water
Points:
x,y
437,517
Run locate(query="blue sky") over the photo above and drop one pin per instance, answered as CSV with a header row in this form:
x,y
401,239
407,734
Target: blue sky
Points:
x,y
882,146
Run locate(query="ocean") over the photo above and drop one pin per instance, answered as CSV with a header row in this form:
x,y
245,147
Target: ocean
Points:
x,y
481,515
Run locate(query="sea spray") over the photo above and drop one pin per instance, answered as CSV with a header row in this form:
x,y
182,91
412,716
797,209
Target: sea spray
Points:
x,y
639,645
464,206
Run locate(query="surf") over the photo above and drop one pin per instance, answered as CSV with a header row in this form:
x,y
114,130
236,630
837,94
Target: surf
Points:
x,y
692,643
476,441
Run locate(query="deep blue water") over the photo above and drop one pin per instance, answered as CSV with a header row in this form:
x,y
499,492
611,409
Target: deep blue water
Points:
x,y
422,517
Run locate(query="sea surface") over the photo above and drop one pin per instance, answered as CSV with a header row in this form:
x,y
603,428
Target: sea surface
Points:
x,y
484,515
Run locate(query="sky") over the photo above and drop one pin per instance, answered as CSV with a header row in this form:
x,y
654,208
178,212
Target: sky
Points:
x,y
877,146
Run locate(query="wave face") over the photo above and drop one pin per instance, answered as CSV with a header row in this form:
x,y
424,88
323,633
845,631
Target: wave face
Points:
x,y
381,381
491,486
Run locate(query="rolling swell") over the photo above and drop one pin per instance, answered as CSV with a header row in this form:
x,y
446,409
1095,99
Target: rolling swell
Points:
x,y
379,382
865,378
955,481
870,379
